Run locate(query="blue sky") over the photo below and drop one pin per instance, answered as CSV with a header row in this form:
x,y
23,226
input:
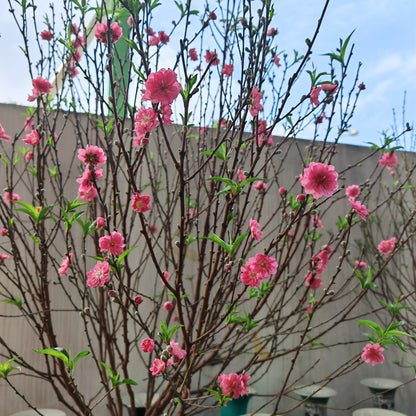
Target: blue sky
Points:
x,y
384,38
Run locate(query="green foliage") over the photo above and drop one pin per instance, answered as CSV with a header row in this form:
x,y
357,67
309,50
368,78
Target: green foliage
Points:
x,y
247,322
166,334
6,368
231,247
232,187
15,300
221,153
37,215
115,378
393,307
339,54
265,289
222,400
64,356
365,283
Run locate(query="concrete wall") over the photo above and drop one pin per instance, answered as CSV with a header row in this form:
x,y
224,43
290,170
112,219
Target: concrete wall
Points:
x,y
18,333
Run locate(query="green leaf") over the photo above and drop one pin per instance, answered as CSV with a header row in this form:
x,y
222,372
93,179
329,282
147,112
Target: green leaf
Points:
x,y
237,243
15,300
56,352
5,368
124,254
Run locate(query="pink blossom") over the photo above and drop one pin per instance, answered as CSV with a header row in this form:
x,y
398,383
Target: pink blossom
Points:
x,y
361,86
87,193
255,230
263,133
101,32
32,138
330,89
150,31
373,354
147,345
99,275
154,40
301,197
29,123
163,37
192,213
315,95
100,222
140,203
276,60
162,87
361,264
113,243
241,176
317,221
264,264
254,104
46,35
166,276
193,55
157,367
3,231
387,246
352,191
249,275
176,351
203,130
319,179
313,281
227,70
3,134
212,16
6,197
388,160
168,306
89,177
65,264
260,186
272,32
28,156
319,119
3,257
282,190
130,21
74,29
92,155
146,119
233,384
153,228
167,114
138,300
212,58
359,208
40,86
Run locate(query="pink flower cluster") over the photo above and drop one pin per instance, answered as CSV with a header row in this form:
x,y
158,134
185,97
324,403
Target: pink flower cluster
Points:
x,y
329,89
99,275
388,159
65,263
102,31
162,37
3,134
255,230
40,86
46,35
319,179
32,138
159,365
92,156
113,243
387,246
319,264
7,197
254,103
141,203
353,192
372,354
212,57
234,385
263,133
227,70
146,119
258,268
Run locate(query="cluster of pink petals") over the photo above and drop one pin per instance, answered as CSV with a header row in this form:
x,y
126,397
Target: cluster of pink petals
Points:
x,y
176,351
387,246
241,176
256,233
3,134
3,231
40,86
3,257
101,32
99,275
65,263
162,87
258,268
193,54
212,57
272,32
168,306
146,119
147,345
276,60
319,179
359,208
313,281
92,156
316,221
46,35
29,123
388,159
263,133
100,222
13,198
372,354
260,186
255,105
157,367
227,70
319,264
361,264
161,38
233,384
329,89
32,138
140,203
113,243
352,191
